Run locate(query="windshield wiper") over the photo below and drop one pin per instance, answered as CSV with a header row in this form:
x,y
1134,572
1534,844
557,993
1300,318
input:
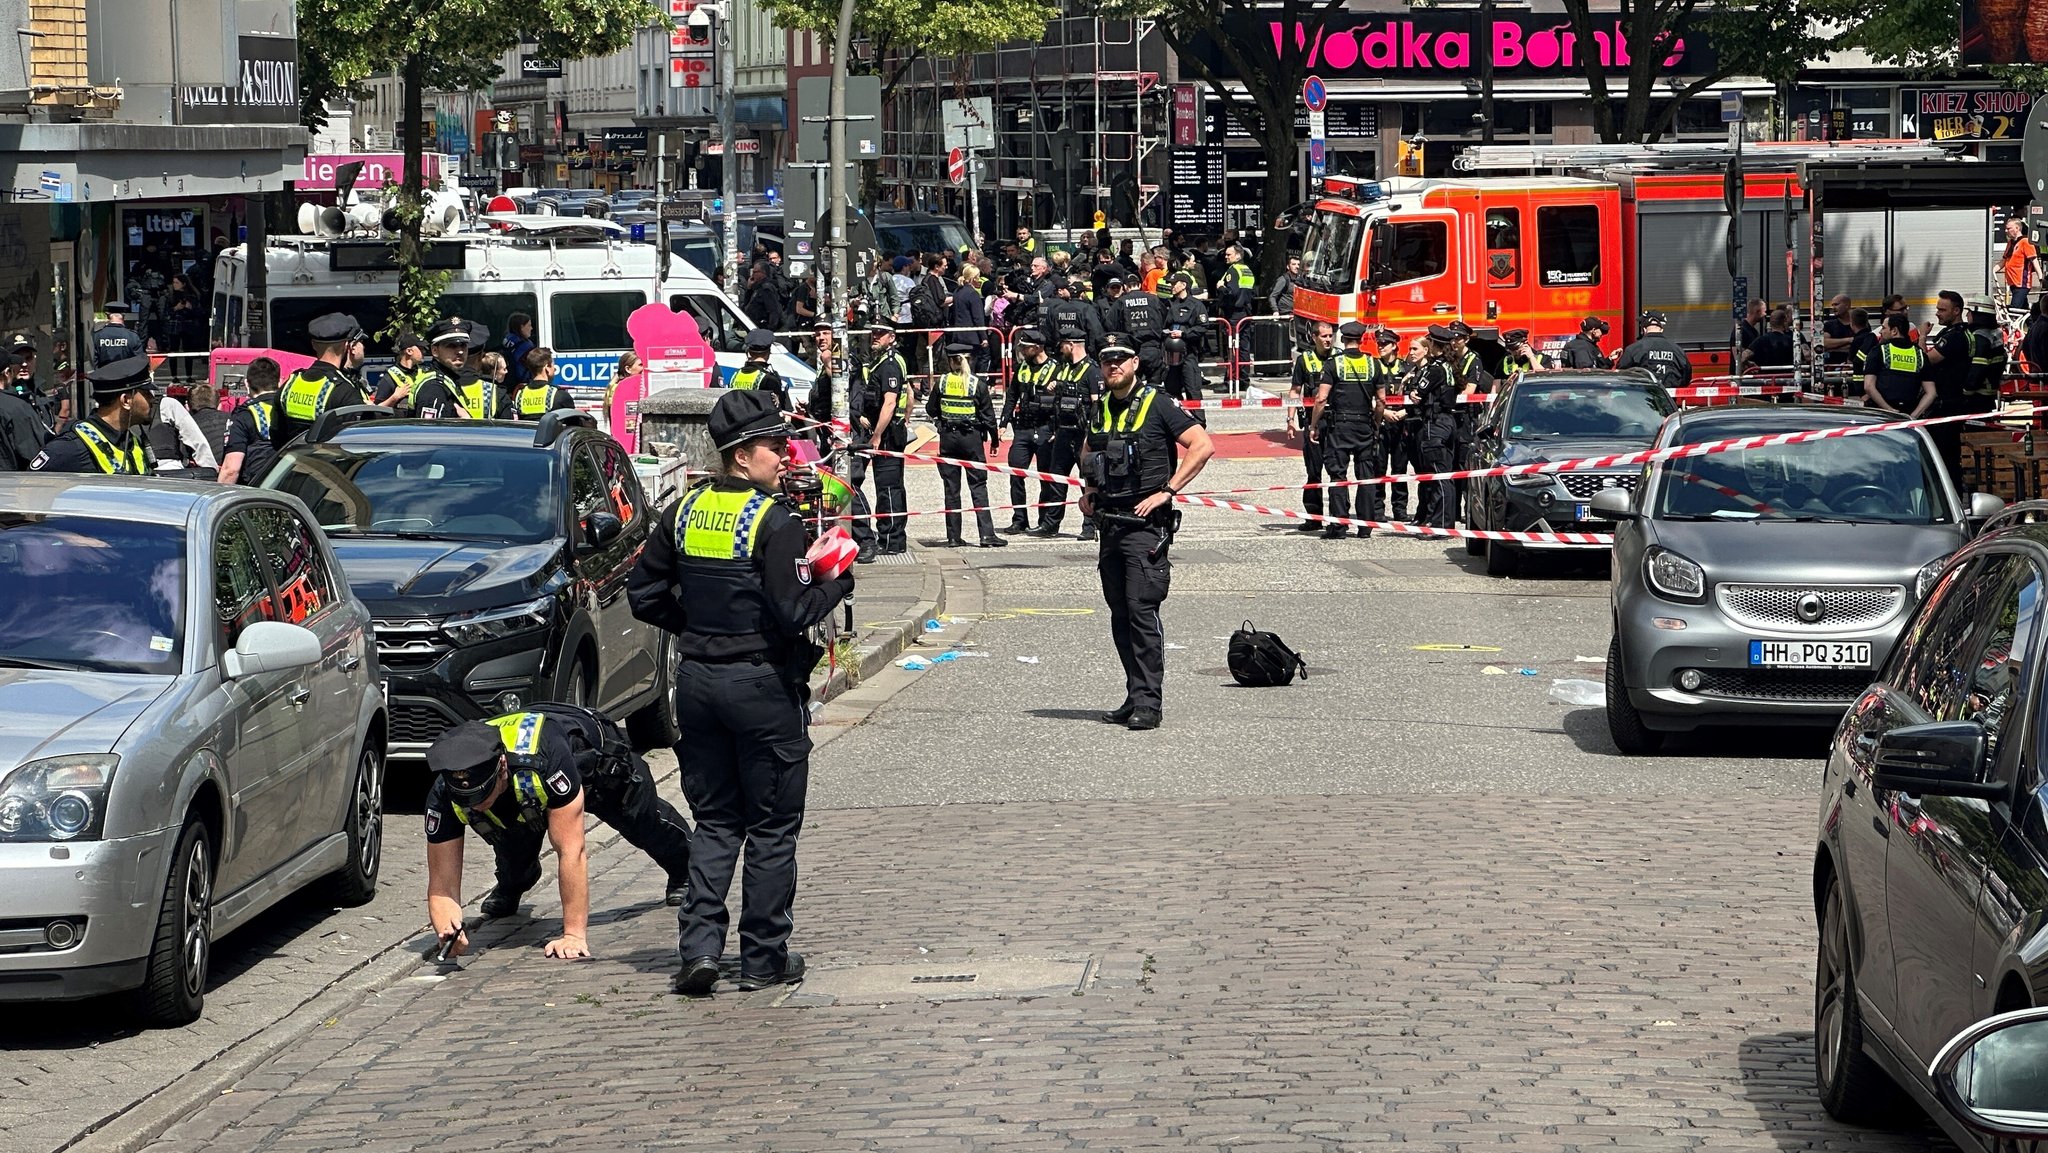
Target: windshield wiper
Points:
x,y
33,663
1690,516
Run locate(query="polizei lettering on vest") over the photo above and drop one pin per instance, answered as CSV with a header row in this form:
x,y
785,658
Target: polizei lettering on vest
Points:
x,y
713,520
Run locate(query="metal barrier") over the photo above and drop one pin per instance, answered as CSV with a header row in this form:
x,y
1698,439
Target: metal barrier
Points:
x,y
1264,346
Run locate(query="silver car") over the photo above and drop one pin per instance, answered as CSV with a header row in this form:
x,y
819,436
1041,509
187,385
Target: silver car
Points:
x,y
1762,586
191,728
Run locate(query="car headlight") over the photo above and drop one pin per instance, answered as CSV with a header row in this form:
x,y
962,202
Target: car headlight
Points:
x,y
496,624
57,798
1928,575
1530,479
1673,576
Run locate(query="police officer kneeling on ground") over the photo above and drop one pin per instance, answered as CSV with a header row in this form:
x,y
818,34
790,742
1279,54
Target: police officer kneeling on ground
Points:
x,y
1657,352
725,571
1142,449
113,439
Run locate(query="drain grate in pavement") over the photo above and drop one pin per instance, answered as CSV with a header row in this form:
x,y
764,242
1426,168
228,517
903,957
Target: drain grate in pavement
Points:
x,y
1013,978
943,978
896,558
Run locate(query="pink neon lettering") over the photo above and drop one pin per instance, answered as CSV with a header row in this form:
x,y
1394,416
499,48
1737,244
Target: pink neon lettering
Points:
x,y
1405,45
1340,50
1377,48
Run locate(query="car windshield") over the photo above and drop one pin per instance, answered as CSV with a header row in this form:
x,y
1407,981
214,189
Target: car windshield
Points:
x,y
453,492
1881,478
1329,255
1551,411
89,593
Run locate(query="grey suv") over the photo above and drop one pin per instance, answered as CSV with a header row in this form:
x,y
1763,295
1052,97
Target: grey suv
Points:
x,y
1764,585
190,730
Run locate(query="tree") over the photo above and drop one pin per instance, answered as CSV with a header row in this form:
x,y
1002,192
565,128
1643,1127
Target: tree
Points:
x,y
453,45
1920,35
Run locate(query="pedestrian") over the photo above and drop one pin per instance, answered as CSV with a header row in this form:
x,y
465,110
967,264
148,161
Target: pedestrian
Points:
x,y
880,404
757,373
967,315
901,282
540,394
965,413
114,340
2017,267
724,570
249,454
1657,353
326,383
1345,419
1749,325
1304,385
184,330
1077,388
204,405
111,440
22,432
1028,410
1583,351
1987,357
1281,298
1141,451
1897,378
177,443
518,342
1436,391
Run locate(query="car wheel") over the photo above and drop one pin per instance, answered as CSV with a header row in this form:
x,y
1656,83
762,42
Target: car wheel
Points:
x,y
355,883
1502,559
1624,723
654,725
1853,1089
576,689
1474,546
174,985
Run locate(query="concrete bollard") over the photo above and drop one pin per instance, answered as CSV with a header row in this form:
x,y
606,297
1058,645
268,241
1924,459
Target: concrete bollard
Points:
x,y
681,416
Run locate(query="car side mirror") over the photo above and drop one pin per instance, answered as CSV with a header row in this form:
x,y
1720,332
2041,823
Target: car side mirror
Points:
x,y
269,647
1614,504
601,528
1984,506
1940,759
1993,1076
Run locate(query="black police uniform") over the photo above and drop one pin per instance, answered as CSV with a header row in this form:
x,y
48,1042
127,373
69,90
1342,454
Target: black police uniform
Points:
x,y
757,375
22,434
1581,351
1400,439
1310,367
1351,437
317,388
618,787
544,777
1133,447
723,570
1951,382
1183,381
965,412
1075,320
1436,391
1900,369
1662,356
1142,315
249,434
882,376
1077,387
536,399
438,396
1028,408
112,343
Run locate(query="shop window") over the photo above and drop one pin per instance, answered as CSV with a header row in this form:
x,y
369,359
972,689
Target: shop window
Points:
x,y
1568,245
1504,247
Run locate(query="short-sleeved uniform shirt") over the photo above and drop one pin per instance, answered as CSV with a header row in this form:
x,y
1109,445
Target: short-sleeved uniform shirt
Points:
x,y
1952,375
249,434
554,775
1157,434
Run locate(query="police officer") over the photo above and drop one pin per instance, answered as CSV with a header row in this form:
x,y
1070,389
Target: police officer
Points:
x,y
1077,387
439,395
966,415
1069,317
1896,376
1987,357
1346,419
323,385
1235,294
725,571
1583,350
1947,348
1400,420
1187,326
249,454
1435,390
1522,355
755,373
881,404
22,433
1474,378
482,397
1141,451
1657,352
1141,316
1028,408
1304,385
114,340
113,440
540,394
407,372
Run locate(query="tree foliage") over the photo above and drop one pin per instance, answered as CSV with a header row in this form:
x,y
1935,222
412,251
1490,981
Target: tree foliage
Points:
x,y
1917,35
1771,39
906,30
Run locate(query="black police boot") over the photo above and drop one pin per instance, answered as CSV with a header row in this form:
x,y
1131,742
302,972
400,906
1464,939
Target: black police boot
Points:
x,y
994,542
1364,533
1142,719
678,888
1018,524
866,556
697,977
792,972
1309,526
954,542
500,903
1088,529
1045,528
1335,532
1121,715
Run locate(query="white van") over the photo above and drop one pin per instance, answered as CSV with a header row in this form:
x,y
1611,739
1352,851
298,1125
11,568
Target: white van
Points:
x,y
577,277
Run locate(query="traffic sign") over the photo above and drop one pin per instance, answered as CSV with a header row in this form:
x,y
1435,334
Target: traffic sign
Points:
x,y
1318,158
1731,107
956,166
1315,94
1101,220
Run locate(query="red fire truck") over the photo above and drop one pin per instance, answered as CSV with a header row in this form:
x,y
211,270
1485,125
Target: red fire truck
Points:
x,y
1610,231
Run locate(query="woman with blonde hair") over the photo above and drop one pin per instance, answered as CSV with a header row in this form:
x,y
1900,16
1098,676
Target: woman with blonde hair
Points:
x,y
961,406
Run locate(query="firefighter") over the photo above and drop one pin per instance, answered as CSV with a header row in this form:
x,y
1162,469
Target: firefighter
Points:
x,y
1077,387
756,373
1435,390
1987,357
1346,419
1311,366
1657,352
1028,412
323,385
965,413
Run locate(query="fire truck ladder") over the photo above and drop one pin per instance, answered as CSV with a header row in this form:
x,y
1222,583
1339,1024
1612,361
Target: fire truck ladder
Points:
x,y
1761,154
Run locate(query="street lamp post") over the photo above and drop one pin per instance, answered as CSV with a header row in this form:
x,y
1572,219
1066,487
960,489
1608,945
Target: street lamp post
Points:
x,y
835,189
729,171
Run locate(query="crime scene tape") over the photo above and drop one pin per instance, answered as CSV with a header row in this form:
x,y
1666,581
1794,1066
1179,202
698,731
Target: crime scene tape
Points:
x,y
1401,527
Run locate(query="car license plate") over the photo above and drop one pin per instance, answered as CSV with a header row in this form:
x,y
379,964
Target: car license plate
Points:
x,y
1809,654
1582,512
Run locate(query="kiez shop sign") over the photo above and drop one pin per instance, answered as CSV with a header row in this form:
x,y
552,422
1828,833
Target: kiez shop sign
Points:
x,y
1967,113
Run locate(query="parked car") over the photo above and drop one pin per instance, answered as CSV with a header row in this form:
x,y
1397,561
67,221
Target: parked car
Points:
x,y
1763,586
1545,416
191,729
493,556
1930,876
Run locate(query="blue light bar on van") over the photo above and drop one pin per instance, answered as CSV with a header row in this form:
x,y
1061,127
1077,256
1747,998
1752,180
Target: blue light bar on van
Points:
x,y
1353,188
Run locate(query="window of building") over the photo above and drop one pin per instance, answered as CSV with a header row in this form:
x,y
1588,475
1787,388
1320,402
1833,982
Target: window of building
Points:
x,y
1568,244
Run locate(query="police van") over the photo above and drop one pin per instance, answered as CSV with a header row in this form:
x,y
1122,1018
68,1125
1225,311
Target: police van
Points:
x,y
577,277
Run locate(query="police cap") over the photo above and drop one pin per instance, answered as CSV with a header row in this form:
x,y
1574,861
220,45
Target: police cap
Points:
x,y
122,376
1118,344
745,414
1593,323
478,335
1460,329
1181,280
1651,318
1387,335
466,758
116,308
22,342
958,348
1031,336
1516,336
334,328
451,330
760,340
1440,333
1352,331
1113,282
405,339
9,360
881,324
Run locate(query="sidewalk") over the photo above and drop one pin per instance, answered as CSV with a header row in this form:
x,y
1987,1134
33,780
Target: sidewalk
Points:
x,y
892,599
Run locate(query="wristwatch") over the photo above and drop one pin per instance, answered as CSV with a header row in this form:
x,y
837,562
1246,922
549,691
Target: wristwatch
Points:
x,y
1172,490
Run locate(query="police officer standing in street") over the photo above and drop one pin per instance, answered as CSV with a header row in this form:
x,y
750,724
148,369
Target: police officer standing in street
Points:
x,y
1028,407
1141,451
1522,356
1303,387
114,340
1076,389
1435,389
22,432
880,404
725,571
1071,318
756,373
439,394
1346,418
113,440
966,415
1141,316
406,372
1657,352
540,394
1187,325
324,384
248,454
1400,420
1896,376
1583,350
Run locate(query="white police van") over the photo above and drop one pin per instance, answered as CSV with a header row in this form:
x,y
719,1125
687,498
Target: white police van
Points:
x,y
577,277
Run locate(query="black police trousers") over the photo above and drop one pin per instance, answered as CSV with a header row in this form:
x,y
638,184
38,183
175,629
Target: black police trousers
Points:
x,y
1135,576
964,443
1183,381
1351,450
1031,447
888,534
1066,457
1437,500
1312,464
1400,451
628,804
745,755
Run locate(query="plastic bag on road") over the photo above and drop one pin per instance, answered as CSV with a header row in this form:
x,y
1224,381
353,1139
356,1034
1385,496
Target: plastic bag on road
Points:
x,y
1583,693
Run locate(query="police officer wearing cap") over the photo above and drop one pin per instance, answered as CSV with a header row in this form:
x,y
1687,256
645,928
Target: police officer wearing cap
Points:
x,y
1141,451
1077,388
482,397
1657,353
880,402
439,395
1311,365
1141,316
1435,391
1028,408
113,440
1400,420
1187,327
114,340
513,783
1583,350
1522,355
323,385
725,571
965,413
755,373
1346,419
22,432
1071,318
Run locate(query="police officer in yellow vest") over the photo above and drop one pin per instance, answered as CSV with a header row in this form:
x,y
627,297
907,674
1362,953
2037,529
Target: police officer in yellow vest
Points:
x,y
1310,365
438,394
756,374
1236,293
323,385
540,394
407,373
966,415
1346,418
112,440
725,571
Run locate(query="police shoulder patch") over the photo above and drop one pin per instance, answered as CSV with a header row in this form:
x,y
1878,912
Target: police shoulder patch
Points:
x,y
433,821
803,570
558,783
42,459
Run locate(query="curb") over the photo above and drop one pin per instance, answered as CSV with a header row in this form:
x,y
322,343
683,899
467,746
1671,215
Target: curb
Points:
x,y
873,657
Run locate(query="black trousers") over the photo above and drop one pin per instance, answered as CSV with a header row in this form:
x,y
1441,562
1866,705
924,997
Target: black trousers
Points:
x,y
746,765
1031,447
1135,577
964,444
1437,500
1401,451
1312,464
1183,381
1066,457
646,821
1351,449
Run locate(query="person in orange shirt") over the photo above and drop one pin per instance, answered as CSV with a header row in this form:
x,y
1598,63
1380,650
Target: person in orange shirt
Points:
x,y
2018,265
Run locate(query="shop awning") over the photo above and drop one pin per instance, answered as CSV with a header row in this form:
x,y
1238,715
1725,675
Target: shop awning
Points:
x,y
74,163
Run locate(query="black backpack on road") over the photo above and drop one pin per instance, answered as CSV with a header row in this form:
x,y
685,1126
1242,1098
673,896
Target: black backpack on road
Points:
x,y
1261,660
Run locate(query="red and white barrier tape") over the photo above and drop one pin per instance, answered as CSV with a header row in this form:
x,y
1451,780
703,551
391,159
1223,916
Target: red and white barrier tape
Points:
x,y
1401,527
